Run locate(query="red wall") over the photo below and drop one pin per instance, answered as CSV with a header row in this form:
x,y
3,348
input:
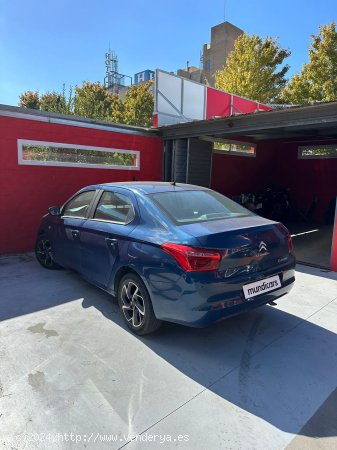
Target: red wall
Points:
x,y
232,175
334,248
243,106
307,178
217,103
27,191
220,103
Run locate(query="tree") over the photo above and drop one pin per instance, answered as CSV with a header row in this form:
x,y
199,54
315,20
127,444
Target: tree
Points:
x,y
317,79
58,102
93,100
53,102
138,105
117,109
30,99
252,69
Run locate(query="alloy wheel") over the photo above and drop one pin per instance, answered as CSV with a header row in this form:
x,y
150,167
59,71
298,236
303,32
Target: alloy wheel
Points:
x,y
133,305
43,252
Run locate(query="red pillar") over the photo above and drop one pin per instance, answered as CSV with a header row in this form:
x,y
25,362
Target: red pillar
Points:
x,y
334,244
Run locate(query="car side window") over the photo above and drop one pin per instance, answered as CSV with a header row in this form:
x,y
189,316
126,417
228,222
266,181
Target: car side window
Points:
x,y
79,205
114,207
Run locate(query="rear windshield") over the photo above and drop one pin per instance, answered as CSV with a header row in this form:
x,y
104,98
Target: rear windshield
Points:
x,y
197,206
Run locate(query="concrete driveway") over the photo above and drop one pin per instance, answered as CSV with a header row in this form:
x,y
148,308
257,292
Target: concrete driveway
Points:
x,y
73,377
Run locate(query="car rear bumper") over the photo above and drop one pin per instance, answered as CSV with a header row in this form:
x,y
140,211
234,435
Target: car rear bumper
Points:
x,y
200,300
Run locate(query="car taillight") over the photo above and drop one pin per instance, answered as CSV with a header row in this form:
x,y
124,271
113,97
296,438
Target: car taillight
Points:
x,y
286,231
193,259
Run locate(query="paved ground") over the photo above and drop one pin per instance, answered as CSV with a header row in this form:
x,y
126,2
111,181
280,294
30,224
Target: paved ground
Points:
x,y
69,370
312,243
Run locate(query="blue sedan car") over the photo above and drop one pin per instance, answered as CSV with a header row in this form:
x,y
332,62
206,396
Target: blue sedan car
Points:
x,y
169,252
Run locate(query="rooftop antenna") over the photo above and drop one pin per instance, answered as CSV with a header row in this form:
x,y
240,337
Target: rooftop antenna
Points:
x,y
201,66
224,10
111,79
114,80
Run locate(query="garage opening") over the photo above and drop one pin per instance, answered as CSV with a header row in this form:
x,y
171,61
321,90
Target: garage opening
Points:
x,y
288,182
315,191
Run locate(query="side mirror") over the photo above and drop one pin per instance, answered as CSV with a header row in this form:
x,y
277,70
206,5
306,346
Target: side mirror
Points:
x,y
54,211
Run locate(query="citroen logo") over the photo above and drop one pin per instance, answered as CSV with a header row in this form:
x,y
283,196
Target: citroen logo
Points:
x,y
262,247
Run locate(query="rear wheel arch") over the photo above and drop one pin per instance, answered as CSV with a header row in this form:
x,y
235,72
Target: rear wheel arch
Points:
x,y
120,274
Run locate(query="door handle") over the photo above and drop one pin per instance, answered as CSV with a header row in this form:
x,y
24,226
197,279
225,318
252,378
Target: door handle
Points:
x,y
75,233
111,242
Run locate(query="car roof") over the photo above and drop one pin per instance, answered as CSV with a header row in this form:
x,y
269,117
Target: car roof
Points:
x,y
149,187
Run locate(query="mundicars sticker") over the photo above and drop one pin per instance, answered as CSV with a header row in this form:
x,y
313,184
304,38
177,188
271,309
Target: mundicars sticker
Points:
x,y
260,287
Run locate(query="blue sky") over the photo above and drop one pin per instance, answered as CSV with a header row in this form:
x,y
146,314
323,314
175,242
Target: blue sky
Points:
x,y
46,43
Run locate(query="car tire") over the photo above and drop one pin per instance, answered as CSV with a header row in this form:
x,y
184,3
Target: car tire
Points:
x,y
135,305
43,253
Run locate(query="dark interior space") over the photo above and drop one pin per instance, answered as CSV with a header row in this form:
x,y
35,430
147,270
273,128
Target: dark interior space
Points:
x,y
309,187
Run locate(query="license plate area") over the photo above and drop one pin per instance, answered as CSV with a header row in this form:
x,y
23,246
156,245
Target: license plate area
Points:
x,y
260,287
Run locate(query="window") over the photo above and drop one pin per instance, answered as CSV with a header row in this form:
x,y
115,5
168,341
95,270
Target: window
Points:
x,y
317,151
114,207
235,148
207,64
197,206
69,155
79,205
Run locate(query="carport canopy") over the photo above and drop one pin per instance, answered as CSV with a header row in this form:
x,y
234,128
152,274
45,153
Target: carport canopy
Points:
x,y
313,122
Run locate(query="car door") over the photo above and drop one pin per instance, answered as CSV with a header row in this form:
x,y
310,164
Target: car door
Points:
x,y
104,236
67,236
